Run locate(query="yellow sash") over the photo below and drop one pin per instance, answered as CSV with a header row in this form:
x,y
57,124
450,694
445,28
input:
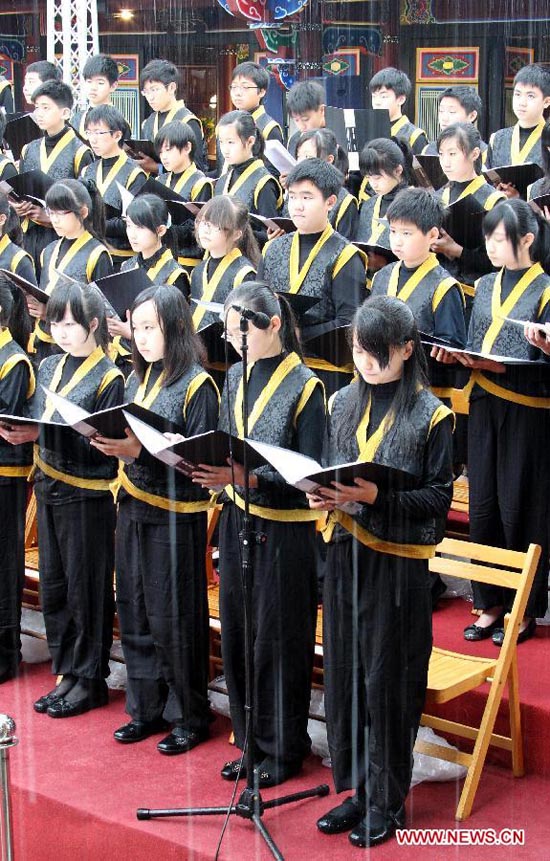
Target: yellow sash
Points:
x,y
180,182
398,125
246,174
103,184
377,226
499,309
88,365
518,155
471,188
162,261
209,287
297,275
170,116
287,365
407,289
146,400
46,161
78,244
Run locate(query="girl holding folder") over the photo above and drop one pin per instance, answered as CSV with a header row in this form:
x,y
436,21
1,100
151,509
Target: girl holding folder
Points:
x,y
286,405
17,385
75,505
377,603
509,421
161,533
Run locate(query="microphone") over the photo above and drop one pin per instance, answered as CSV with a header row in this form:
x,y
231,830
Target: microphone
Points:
x,y
260,320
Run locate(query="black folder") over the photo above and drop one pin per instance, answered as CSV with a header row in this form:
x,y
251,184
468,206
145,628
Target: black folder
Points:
x,y
135,146
367,124
332,346
213,449
259,222
112,423
20,130
31,186
376,249
121,289
520,175
540,203
430,170
180,209
26,286
464,222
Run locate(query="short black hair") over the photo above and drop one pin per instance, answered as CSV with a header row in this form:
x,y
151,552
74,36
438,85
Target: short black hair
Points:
x,y
254,71
159,70
101,64
467,137
385,155
57,91
112,118
323,175
535,75
418,206
45,70
246,128
392,79
176,134
468,97
85,302
305,96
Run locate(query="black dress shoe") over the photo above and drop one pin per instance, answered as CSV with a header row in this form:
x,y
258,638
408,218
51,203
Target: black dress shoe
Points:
x,y
526,634
474,633
138,730
342,818
95,697
272,772
65,685
377,827
231,770
181,740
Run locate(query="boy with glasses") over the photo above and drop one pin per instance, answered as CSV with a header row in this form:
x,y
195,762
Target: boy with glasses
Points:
x,y
100,81
106,130
159,84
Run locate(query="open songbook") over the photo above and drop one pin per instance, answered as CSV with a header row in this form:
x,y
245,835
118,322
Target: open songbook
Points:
x,y
26,286
212,448
494,357
308,475
279,156
298,470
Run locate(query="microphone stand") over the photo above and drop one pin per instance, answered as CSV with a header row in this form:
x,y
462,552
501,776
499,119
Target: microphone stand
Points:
x,y
250,804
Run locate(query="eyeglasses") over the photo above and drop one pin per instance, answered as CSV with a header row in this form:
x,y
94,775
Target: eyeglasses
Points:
x,y
241,88
90,133
152,92
57,213
211,228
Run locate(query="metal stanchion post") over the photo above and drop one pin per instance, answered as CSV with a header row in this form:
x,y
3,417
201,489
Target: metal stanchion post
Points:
x,y
7,739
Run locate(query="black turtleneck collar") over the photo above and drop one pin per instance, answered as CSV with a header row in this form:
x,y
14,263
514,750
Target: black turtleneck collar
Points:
x,y
52,140
146,264
237,169
390,197
510,278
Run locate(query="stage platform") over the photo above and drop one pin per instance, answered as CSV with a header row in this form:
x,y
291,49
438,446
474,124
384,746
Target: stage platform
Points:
x,y
75,791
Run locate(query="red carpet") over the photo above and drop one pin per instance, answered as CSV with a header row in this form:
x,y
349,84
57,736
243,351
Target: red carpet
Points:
x,y
75,791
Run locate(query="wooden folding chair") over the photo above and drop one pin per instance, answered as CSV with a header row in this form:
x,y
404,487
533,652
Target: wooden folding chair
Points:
x,y
452,674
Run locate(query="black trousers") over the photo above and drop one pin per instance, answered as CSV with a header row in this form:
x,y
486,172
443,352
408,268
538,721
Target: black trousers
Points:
x,y
509,476
284,616
163,616
76,542
377,644
13,501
